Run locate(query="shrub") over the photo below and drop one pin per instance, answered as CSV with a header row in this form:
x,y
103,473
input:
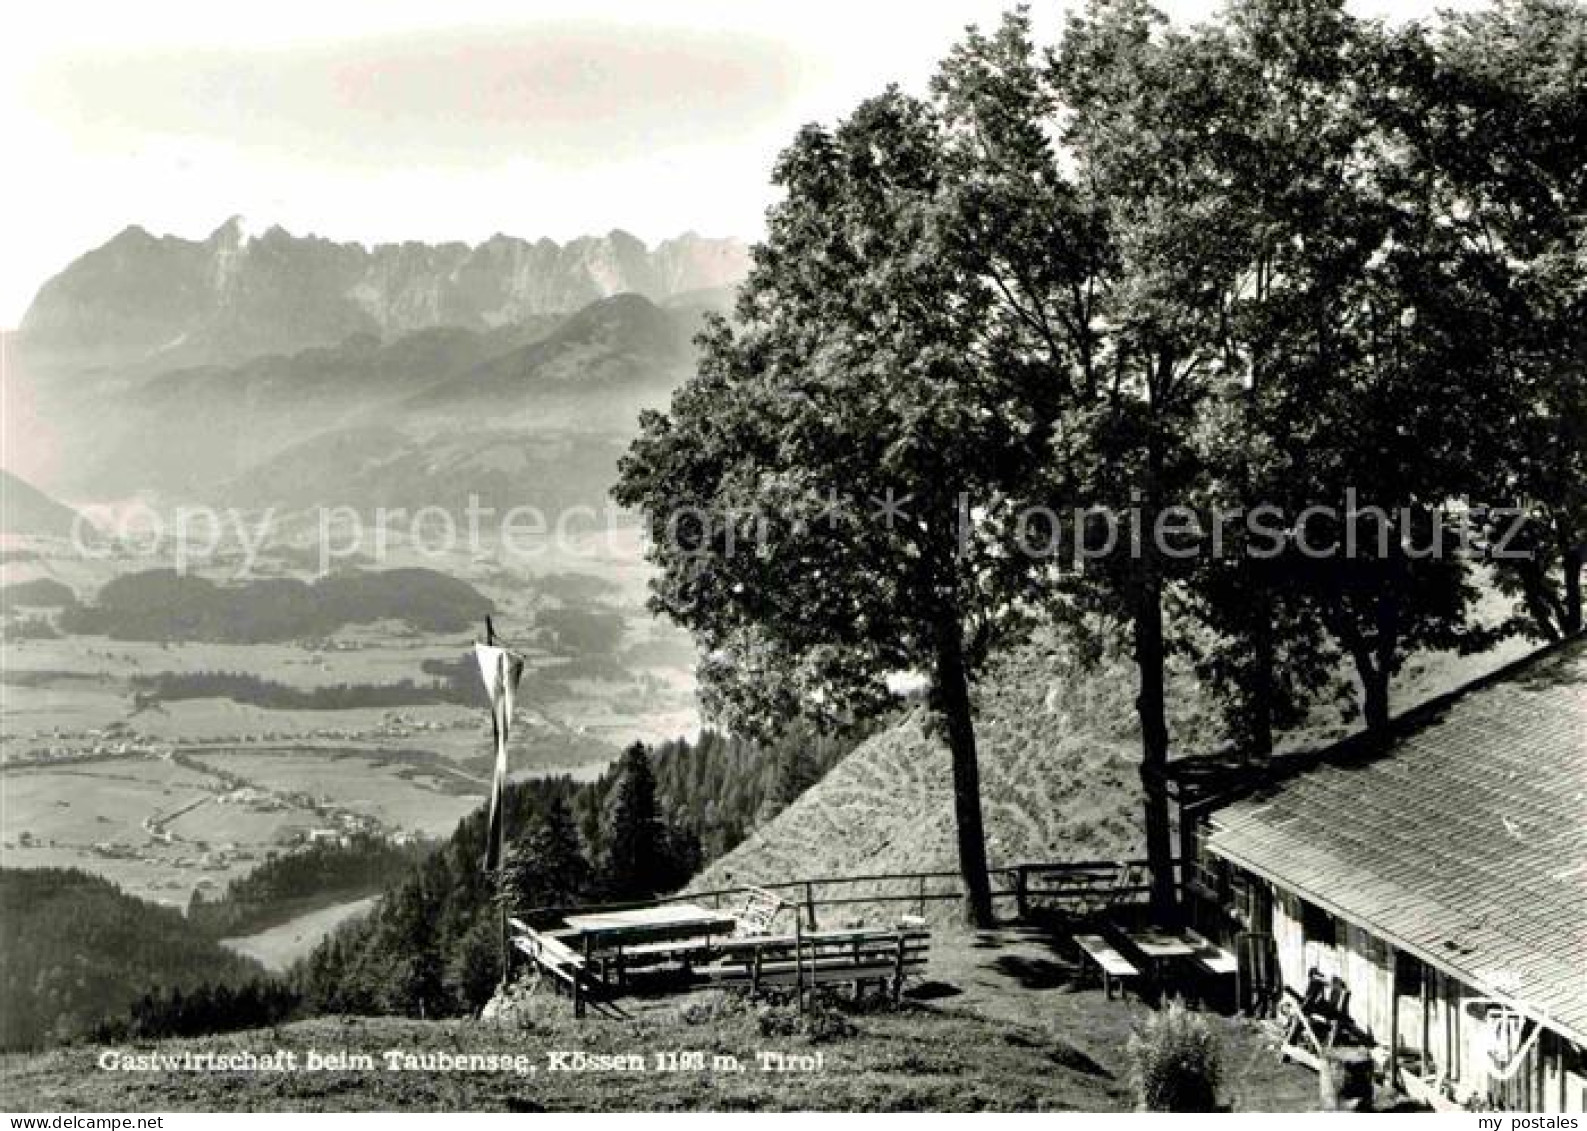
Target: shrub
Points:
x,y
777,1020
722,1005
823,1021
1176,1063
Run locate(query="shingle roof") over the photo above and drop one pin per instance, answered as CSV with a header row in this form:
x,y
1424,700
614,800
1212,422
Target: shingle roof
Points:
x,y
1465,843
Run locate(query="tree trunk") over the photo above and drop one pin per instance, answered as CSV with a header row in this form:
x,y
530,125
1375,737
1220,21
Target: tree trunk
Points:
x,y
1374,677
1151,701
1573,562
953,694
1150,705
1375,697
1548,612
1263,663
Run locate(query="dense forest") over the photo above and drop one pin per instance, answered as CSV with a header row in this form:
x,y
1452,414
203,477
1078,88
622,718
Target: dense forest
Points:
x,y
162,604
722,787
431,947
288,884
75,949
40,593
244,687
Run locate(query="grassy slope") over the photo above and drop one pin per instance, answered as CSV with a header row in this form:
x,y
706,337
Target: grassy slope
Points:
x,y
1059,750
917,1060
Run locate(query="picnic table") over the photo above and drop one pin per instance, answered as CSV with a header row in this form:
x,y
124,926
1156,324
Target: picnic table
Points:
x,y
1159,949
610,939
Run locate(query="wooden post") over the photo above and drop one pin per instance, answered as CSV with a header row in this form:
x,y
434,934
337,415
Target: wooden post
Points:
x,y
1427,1024
810,905
1239,975
1394,1017
1022,892
1535,1101
898,973
922,911
1559,1069
1189,818
501,895
799,964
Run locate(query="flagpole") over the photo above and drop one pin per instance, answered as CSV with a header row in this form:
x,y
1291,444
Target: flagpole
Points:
x,y
501,901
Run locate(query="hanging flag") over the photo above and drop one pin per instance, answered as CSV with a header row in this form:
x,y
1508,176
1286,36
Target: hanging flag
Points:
x,y
501,670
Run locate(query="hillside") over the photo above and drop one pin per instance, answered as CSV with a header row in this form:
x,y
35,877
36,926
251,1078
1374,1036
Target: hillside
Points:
x,y
366,468
24,509
590,369
1059,751
1058,777
75,949
588,372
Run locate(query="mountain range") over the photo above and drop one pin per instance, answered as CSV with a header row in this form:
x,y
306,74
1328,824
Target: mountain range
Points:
x,y
204,369
233,296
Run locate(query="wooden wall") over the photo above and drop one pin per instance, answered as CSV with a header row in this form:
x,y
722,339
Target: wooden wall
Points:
x,y
1436,1019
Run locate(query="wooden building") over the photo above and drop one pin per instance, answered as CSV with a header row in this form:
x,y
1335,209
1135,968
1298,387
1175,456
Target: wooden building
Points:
x,y
1441,877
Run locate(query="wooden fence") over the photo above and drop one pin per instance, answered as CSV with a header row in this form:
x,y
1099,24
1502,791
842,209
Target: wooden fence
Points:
x,y
1070,885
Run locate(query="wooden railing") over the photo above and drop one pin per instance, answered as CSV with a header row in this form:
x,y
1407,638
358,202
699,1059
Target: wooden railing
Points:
x,y
1077,884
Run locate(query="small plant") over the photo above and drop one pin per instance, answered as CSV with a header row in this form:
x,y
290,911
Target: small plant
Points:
x,y
719,1006
1176,1063
777,1020
822,1022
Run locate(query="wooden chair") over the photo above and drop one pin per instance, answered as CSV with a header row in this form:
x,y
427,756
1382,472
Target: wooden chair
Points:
x,y
1131,876
1314,1020
756,915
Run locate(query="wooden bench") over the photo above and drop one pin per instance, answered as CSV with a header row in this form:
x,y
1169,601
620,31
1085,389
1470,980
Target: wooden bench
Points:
x,y
550,954
824,958
1113,965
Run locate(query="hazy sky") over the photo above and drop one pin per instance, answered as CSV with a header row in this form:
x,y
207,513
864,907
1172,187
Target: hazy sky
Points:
x,y
380,120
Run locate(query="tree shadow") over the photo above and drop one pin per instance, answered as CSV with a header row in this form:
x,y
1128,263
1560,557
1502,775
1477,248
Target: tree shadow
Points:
x,y
1035,973
932,991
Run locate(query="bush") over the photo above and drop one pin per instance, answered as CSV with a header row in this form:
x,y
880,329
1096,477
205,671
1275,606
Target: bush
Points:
x,y
714,1007
823,1020
1176,1063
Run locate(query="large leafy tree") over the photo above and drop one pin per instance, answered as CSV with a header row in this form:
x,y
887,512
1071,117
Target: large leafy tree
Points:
x,y
1368,335
1493,106
1310,336
1137,103
1088,212
830,499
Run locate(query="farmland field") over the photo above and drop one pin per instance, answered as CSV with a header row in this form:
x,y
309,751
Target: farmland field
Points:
x,y
110,760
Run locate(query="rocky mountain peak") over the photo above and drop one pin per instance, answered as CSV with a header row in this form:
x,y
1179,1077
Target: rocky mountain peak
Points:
x,y
238,293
